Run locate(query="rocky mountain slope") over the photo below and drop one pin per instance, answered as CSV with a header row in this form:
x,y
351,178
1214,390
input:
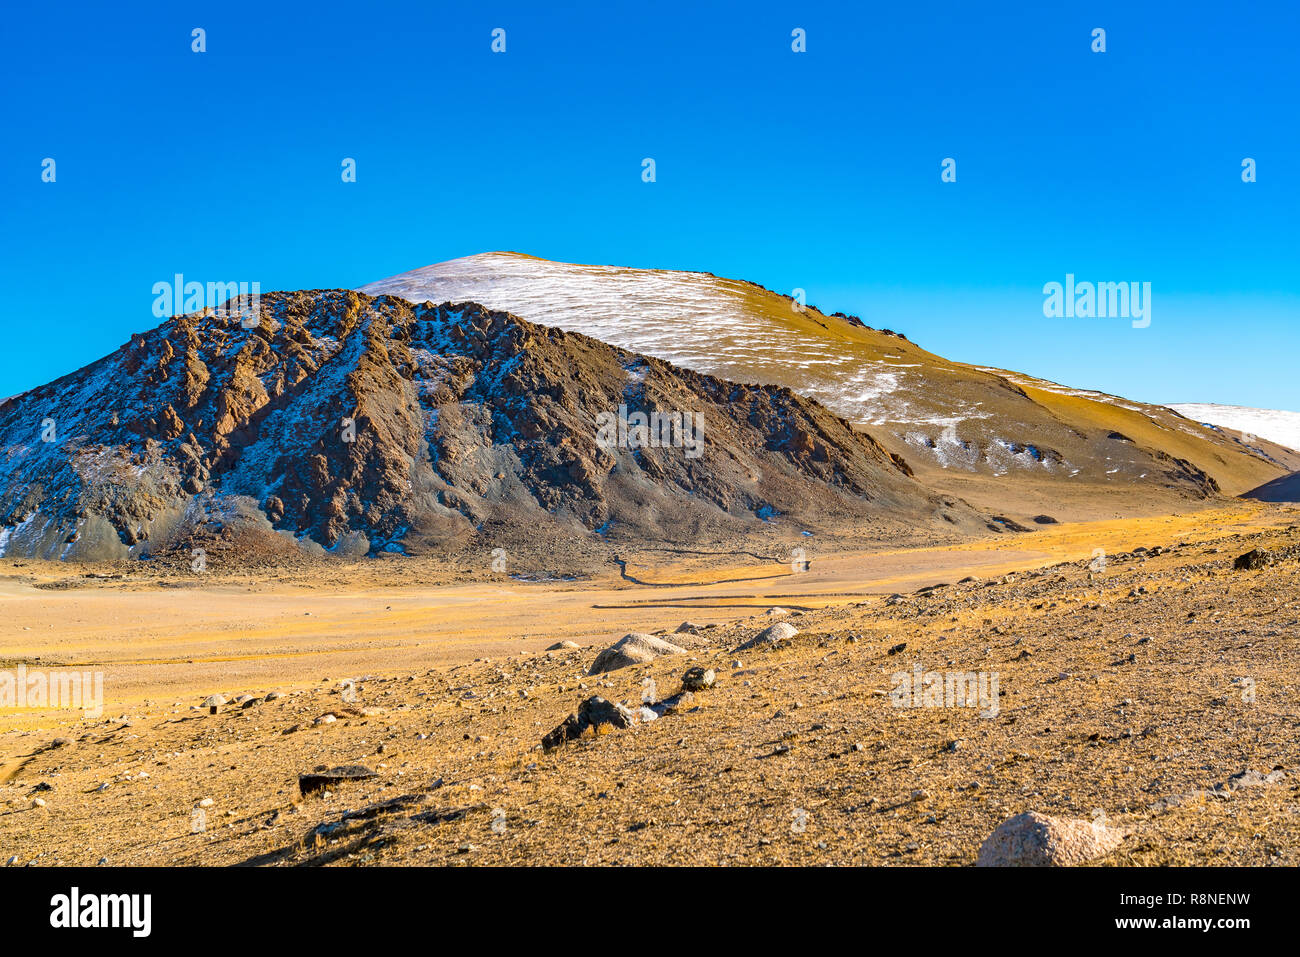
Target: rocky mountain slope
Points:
x,y
997,438
368,425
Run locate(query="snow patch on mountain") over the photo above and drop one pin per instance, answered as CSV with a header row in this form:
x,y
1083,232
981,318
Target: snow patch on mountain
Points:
x,y
1275,425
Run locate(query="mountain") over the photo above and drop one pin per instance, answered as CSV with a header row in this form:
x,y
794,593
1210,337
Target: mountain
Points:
x,y
370,425
1002,440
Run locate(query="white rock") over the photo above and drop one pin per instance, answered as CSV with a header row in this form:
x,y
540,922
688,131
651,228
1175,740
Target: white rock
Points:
x,y
772,634
1037,840
633,649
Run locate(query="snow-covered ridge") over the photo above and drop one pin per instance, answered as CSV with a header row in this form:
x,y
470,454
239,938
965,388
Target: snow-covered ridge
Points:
x,y
959,417
694,320
1275,425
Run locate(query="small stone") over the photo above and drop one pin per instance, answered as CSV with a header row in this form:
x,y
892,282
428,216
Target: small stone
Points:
x,y
206,802
1253,779
697,679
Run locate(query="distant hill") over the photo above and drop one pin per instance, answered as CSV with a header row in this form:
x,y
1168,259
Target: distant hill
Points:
x,y
1000,439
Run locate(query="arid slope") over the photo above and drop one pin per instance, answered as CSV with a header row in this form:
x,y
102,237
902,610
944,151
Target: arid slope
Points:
x,y
1001,439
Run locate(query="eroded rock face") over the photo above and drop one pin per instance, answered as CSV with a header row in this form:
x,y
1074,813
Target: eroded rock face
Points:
x,y
633,649
1037,840
371,424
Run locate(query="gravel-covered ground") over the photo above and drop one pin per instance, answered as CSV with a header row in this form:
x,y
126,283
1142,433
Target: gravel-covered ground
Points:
x,y
1130,693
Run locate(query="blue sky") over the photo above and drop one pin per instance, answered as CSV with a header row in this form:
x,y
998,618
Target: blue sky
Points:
x,y
818,170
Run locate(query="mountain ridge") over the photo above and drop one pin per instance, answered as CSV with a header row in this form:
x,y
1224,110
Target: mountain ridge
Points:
x,y
963,428
367,425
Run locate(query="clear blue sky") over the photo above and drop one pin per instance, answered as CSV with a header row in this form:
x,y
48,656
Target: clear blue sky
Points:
x,y
817,170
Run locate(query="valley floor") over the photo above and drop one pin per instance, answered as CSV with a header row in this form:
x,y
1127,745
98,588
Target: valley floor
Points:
x,y
1134,691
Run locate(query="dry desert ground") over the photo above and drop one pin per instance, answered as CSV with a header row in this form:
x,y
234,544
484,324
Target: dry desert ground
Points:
x,y
1152,693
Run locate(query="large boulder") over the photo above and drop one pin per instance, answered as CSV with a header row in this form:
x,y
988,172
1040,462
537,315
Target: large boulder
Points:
x,y
633,649
772,634
595,716
1037,840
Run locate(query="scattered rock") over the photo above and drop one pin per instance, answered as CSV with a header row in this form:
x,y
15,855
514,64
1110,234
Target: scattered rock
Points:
x,y
1258,558
1037,840
1253,779
595,716
1254,559
320,779
772,634
564,646
633,649
697,679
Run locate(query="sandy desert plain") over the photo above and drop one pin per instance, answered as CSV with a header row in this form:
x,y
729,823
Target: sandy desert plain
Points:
x,y
1134,695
